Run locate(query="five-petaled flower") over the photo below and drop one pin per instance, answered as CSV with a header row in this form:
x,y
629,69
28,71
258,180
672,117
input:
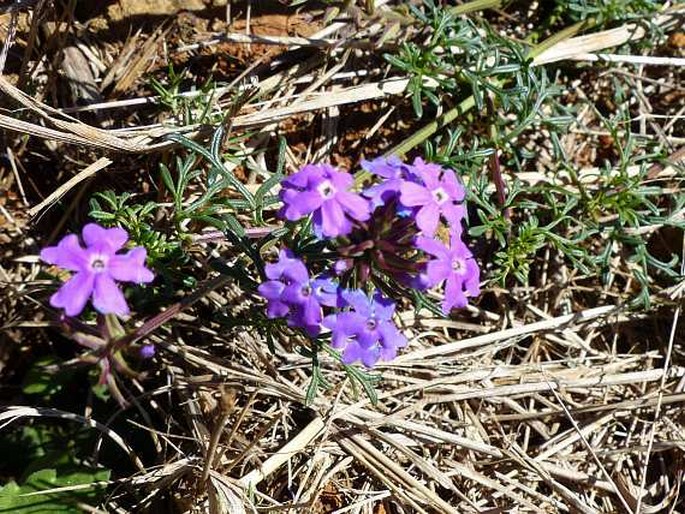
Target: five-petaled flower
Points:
x,y
440,194
291,293
323,191
366,332
455,266
95,269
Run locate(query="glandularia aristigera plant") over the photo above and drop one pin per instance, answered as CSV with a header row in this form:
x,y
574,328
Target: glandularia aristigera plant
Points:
x,y
404,227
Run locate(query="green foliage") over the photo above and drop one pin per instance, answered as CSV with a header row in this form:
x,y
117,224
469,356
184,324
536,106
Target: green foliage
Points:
x,y
47,491
111,209
187,108
605,11
595,229
452,54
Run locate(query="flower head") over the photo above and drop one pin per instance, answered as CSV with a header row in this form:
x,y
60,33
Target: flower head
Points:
x,y
455,266
291,293
439,194
366,332
321,190
96,268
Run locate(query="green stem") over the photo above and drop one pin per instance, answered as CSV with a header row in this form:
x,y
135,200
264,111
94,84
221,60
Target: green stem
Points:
x,y
476,5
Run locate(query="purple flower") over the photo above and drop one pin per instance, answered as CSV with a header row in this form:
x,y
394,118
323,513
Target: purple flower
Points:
x,y
291,293
394,173
96,267
284,272
147,351
455,266
322,190
366,332
287,270
440,194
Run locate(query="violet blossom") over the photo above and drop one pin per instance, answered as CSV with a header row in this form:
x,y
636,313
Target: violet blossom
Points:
x,y
394,173
439,194
366,332
291,293
96,268
323,191
453,265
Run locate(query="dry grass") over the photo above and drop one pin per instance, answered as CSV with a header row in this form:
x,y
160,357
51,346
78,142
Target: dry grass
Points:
x,y
549,399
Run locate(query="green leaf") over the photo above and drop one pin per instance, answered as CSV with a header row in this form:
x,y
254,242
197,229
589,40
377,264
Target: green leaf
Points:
x,y
40,381
44,492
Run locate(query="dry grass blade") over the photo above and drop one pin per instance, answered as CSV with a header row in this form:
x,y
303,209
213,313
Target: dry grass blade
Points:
x,y
58,193
548,324
313,430
582,45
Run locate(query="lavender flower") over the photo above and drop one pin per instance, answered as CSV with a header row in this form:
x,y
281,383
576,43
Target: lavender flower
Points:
x,y
96,268
291,293
322,190
394,173
147,351
440,194
455,266
365,333
284,272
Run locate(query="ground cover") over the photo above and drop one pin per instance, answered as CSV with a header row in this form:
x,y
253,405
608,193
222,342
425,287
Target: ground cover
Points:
x,y
555,386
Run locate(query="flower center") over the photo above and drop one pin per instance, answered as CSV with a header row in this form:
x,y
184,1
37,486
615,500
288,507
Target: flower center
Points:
x,y
326,189
440,195
98,263
306,290
458,265
371,324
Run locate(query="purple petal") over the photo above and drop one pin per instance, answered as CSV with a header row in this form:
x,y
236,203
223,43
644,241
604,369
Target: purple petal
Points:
x,y
311,313
276,309
107,296
383,307
472,278
427,219
432,246
293,294
130,267
355,352
356,206
340,179
413,194
271,289
298,205
454,294
326,292
391,340
437,271
108,240
357,299
388,168
352,352
333,219
391,336
453,186
74,293
292,270
431,176
454,214
147,351
300,179
68,254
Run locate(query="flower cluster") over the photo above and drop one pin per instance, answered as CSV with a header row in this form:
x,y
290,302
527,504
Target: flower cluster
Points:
x,y
406,226
361,327
95,269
